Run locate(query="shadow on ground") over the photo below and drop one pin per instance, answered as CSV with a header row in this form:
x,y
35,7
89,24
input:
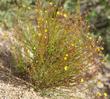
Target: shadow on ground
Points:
x,y
11,86
7,69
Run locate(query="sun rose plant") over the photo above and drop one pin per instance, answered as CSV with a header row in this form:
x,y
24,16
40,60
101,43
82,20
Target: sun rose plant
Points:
x,y
57,50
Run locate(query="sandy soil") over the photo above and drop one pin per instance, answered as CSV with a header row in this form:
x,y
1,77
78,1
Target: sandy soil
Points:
x,y
12,87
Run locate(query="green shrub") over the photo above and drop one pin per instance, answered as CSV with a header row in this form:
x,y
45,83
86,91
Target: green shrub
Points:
x,y
9,9
56,51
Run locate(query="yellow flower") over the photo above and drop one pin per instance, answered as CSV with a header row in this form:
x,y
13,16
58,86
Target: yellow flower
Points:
x,y
66,55
51,3
102,48
105,94
98,49
66,68
99,94
45,11
34,48
24,6
58,13
65,58
29,8
65,15
82,80
46,21
72,44
46,30
39,34
90,38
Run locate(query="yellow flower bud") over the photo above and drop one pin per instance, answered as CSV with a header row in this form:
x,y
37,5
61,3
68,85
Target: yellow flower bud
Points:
x,y
46,30
66,68
90,38
65,15
99,94
45,11
72,44
24,6
58,13
34,48
51,3
39,34
105,94
98,49
29,8
102,48
46,21
66,55
65,58
82,80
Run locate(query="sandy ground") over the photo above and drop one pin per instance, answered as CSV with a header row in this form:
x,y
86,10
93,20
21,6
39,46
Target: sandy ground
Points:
x,y
12,87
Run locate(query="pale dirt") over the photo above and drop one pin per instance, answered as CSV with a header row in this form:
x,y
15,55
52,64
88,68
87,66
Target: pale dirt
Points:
x,y
12,87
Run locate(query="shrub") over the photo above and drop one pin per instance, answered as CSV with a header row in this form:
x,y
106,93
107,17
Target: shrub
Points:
x,y
56,51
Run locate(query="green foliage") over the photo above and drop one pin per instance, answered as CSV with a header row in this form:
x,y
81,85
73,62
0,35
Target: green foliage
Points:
x,y
99,18
70,5
10,8
56,51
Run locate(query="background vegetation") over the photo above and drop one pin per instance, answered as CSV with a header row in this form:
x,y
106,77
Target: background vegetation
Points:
x,y
97,13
